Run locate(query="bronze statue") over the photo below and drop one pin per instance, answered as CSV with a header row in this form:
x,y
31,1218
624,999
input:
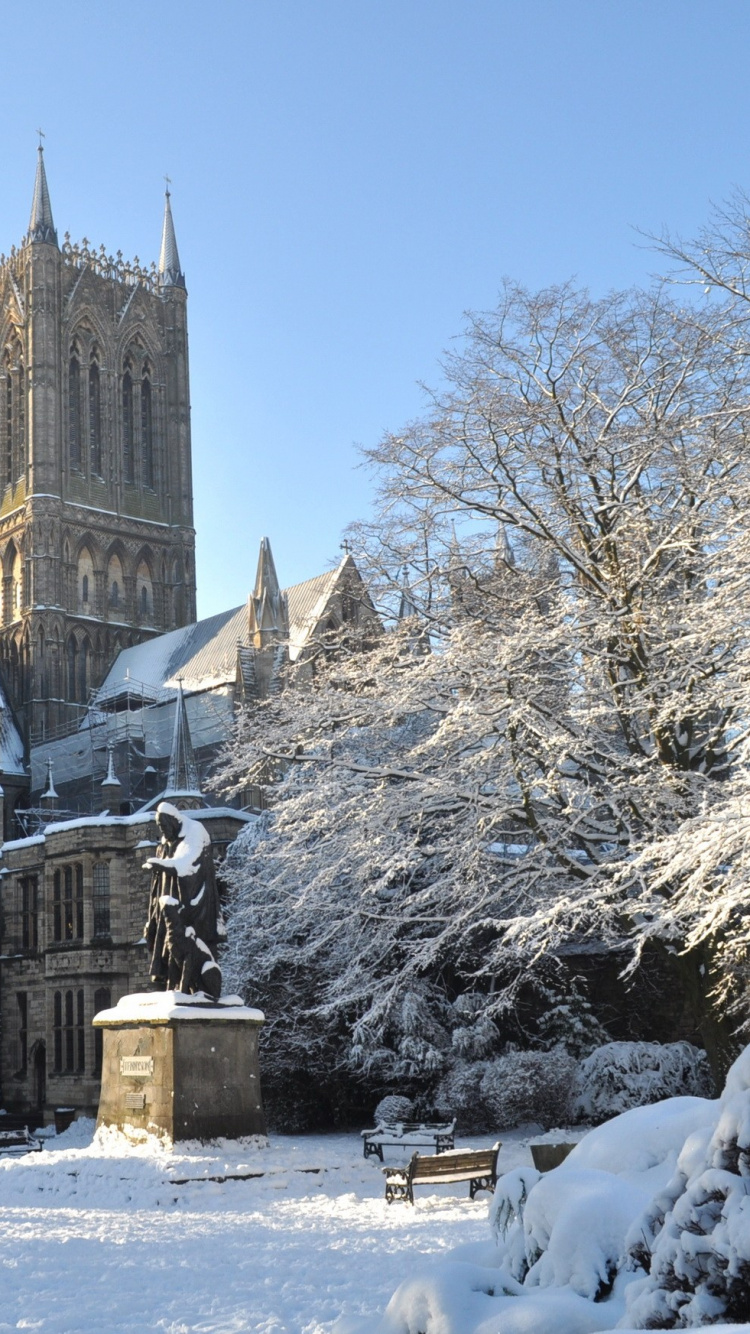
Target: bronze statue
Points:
x,y
184,923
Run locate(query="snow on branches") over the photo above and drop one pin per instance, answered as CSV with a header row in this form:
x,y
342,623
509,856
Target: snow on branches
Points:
x,y
505,776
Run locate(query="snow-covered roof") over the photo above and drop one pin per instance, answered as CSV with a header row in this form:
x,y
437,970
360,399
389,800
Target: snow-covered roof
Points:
x,y
204,655
11,745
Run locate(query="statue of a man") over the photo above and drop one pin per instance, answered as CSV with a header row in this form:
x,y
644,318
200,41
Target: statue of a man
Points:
x,y
184,923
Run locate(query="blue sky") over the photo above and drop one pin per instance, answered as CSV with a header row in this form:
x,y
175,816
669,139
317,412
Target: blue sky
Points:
x,y
347,179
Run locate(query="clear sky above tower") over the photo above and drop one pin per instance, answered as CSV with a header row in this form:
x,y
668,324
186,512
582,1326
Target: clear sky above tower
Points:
x,y
348,176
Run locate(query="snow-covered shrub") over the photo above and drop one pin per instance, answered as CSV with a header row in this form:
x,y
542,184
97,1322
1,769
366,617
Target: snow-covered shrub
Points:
x,y
457,1095
509,1090
569,1021
529,1086
697,1231
621,1075
393,1108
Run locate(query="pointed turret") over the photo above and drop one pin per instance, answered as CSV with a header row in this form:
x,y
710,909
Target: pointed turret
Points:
x,y
182,779
41,224
407,606
170,273
503,550
267,609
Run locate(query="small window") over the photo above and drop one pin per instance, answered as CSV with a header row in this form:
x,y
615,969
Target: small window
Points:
x,y
102,1001
80,1032
144,600
29,913
69,1030
58,1030
85,588
57,906
23,1027
101,899
79,901
68,903
114,594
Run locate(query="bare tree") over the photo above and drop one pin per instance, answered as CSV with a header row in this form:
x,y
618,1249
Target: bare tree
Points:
x,y
570,513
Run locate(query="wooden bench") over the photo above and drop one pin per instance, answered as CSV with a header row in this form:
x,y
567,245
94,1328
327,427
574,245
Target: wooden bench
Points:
x,y
477,1166
409,1134
18,1141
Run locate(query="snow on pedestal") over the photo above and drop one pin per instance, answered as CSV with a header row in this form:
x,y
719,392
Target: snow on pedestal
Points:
x,y
183,1067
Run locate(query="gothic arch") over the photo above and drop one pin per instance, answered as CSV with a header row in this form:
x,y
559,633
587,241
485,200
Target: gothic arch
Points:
x,y
144,587
115,595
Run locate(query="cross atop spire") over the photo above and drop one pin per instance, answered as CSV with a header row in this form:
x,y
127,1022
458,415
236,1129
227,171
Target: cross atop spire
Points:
x,y
170,273
41,224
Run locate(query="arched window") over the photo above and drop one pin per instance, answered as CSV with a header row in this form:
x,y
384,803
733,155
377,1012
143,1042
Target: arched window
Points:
x,y
95,417
128,441
17,585
144,592
101,899
85,581
147,431
74,410
114,581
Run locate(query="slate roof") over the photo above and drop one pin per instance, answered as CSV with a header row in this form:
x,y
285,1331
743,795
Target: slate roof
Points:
x,y
204,654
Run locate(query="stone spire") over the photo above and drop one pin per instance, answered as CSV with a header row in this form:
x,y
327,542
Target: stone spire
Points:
x,y
41,224
267,611
183,771
407,606
170,273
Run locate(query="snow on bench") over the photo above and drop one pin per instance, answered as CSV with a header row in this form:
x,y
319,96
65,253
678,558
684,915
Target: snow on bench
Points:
x,y
477,1166
410,1134
18,1141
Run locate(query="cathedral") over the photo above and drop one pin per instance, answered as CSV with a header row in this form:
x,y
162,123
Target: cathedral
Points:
x,y
112,695
96,510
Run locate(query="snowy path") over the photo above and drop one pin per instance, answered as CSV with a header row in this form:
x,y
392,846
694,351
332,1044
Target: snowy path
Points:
x,y
93,1240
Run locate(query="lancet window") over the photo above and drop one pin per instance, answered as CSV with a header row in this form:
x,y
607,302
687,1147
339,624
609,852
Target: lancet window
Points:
x,y
14,457
74,409
147,429
95,416
128,427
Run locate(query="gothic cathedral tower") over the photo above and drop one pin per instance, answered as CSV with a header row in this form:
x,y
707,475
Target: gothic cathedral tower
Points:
x,y
96,507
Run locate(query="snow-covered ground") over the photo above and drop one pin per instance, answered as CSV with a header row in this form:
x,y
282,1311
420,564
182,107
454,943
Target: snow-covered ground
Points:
x,y
96,1236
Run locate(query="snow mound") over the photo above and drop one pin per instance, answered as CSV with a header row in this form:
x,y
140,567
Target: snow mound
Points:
x,y
645,1225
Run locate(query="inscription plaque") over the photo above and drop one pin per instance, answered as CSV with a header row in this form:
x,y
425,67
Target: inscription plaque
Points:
x,y
140,1066
135,1102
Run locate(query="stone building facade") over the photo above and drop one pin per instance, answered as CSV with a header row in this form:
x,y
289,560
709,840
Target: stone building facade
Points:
x,y
96,509
74,902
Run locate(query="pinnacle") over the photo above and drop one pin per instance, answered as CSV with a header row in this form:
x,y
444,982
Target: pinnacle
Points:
x,y
170,273
41,224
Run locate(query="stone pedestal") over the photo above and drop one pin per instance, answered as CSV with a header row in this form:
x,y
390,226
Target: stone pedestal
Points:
x,y
181,1066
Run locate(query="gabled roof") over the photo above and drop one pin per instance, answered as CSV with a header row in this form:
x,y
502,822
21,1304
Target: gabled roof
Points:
x,y
204,654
